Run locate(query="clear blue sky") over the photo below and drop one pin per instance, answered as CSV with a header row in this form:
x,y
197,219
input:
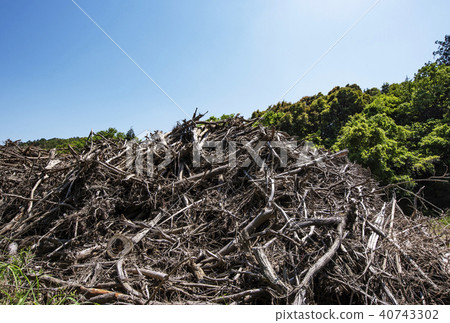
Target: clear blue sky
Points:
x,y
60,76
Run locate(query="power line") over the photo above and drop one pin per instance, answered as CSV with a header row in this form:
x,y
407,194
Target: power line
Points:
x,y
126,54
330,49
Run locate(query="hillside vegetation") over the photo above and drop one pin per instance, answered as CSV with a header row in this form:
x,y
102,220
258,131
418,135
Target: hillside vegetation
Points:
x,y
79,142
400,132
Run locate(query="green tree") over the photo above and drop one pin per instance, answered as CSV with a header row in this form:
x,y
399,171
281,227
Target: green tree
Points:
x,y
437,142
223,117
431,92
342,102
130,134
443,51
373,91
379,143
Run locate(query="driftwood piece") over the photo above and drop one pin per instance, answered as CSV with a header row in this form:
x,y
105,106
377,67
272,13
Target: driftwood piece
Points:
x,y
123,279
268,271
300,297
149,273
404,254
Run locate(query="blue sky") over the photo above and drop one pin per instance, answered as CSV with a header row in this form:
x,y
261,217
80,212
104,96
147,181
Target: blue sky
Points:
x,y
60,76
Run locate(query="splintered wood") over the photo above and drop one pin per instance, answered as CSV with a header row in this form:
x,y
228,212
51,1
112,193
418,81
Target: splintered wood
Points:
x,y
214,212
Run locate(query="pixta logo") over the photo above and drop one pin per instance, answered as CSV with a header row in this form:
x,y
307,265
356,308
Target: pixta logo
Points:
x,y
142,153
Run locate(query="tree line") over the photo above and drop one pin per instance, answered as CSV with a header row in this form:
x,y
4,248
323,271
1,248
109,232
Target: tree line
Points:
x,y
78,143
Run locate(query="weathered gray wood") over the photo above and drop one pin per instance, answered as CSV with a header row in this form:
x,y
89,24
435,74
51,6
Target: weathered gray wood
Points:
x,y
123,279
268,271
149,273
300,297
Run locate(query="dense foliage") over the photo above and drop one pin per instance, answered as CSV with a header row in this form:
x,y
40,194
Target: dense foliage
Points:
x,y
399,132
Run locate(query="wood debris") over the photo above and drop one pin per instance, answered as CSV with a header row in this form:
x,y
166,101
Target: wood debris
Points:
x,y
198,229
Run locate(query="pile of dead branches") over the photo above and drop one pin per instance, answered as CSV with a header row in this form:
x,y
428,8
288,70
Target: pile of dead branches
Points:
x,y
173,218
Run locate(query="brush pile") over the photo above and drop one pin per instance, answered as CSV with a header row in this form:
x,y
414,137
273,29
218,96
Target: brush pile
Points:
x,y
215,212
